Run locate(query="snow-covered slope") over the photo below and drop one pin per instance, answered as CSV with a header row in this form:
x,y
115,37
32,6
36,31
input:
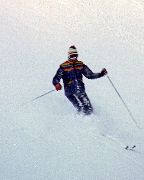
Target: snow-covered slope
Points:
x,y
46,139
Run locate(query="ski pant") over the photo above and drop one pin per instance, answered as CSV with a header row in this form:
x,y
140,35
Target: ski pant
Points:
x,y
81,102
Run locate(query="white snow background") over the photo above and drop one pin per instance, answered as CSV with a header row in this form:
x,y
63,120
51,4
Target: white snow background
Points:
x,y
46,139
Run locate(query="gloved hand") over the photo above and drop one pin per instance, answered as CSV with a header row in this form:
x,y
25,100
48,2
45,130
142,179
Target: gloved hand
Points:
x,y
58,86
103,72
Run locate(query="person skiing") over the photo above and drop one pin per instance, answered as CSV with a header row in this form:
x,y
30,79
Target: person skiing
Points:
x,y
72,71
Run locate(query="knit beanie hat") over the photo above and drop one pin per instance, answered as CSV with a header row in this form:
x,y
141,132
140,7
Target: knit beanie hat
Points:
x,y
72,50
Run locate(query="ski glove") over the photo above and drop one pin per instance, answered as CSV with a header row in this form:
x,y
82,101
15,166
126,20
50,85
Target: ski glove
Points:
x,y
58,86
103,72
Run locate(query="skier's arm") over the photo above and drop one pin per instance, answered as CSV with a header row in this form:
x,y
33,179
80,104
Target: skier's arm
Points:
x,y
57,78
90,75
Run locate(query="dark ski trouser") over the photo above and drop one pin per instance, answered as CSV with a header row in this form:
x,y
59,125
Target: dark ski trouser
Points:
x,y
81,102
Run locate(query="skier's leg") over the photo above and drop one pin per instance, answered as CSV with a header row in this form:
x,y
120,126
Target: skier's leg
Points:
x,y
72,98
86,104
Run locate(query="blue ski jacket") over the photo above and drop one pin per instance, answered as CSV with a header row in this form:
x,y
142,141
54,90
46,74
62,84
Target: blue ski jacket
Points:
x,y
72,75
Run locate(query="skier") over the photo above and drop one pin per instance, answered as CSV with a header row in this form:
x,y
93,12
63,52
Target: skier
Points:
x,y
72,71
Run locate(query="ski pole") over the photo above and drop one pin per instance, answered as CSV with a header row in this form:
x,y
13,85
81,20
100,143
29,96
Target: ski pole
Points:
x,y
129,112
43,95
38,97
